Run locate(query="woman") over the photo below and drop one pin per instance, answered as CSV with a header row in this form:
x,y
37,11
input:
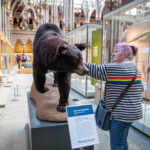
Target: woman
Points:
x,y
117,76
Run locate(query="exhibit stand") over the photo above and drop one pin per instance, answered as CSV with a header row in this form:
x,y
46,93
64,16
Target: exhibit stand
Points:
x,y
43,135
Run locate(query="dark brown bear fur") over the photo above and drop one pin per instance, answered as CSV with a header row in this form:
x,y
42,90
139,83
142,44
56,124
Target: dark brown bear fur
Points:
x,y
52,52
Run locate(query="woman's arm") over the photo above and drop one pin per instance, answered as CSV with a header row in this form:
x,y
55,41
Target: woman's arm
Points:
x,y
97,71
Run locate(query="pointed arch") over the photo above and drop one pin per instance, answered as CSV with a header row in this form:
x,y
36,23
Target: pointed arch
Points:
x,y
34,12
29,40
18,47
16,4
13,7
93,16
82,13
31,8
28,47
16,42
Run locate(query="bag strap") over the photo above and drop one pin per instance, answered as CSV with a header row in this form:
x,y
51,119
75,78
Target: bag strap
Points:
x,y
124,92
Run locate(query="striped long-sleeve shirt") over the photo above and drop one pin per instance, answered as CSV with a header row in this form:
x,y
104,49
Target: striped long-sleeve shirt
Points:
x,y
117,76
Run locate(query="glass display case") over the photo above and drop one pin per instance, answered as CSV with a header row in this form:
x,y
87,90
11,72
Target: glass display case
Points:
x,y
26,67
131,24
6,55
91,35
3,59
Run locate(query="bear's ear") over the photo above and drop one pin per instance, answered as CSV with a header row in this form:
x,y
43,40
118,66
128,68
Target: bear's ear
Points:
x,y
81,46
62,48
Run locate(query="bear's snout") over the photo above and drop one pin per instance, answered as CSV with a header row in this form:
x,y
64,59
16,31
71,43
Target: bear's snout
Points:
x,y
86,71
81,70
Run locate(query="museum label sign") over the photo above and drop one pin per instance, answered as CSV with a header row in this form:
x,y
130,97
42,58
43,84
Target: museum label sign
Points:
x,y
82,126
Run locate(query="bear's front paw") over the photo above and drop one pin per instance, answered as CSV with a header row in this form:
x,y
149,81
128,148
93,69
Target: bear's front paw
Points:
x,y
62,107
43,90
46,89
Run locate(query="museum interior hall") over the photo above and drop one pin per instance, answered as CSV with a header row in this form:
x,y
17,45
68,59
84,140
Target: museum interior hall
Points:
x,y
28,124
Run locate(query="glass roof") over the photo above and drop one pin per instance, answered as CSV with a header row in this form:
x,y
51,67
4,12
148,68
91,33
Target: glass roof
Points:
x,y
133,12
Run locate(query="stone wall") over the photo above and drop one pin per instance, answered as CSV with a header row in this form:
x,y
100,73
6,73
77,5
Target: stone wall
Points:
x,y
22,35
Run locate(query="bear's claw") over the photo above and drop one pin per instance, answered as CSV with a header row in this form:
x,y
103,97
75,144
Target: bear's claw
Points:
x,y
46,89
55,85
43,90
61,108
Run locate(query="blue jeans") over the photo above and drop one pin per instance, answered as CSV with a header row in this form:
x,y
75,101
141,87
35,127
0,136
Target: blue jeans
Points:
x,y
118,134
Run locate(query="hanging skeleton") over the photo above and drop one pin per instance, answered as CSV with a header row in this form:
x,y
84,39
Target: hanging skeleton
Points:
x,y
26,15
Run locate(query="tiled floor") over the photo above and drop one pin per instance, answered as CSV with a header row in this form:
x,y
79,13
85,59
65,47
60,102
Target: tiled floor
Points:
x,y
14,116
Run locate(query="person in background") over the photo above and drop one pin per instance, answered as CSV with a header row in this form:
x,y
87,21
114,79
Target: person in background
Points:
x,y
18,60
117,76
24,58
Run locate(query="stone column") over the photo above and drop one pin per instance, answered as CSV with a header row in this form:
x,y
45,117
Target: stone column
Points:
x,y
0,17
70,15
5,20
37,22
66,12
62,16
3,16
11,26
13,55
46,12
55,12
8,24
71,12
0,54
40,19
98,7
23,46
12,58
10,64
52,12
7,56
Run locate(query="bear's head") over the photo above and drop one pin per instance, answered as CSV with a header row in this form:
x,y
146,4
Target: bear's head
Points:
x,y
70,58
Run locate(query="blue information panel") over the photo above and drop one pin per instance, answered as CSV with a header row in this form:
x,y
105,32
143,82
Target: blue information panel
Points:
x,y
79,110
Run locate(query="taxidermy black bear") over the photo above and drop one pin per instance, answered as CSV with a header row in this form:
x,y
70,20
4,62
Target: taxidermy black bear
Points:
x,y
52,52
